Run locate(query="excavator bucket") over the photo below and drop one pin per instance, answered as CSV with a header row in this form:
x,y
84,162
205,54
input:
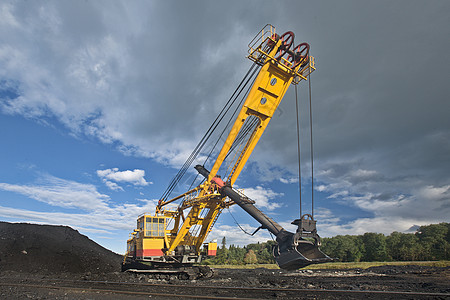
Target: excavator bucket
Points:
x,y
301,249
301,255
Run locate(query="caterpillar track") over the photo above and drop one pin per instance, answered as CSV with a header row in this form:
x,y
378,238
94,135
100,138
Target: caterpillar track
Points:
x,y
167,271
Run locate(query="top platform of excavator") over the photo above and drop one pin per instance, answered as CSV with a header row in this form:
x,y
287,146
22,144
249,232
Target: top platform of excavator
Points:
x,y
262,44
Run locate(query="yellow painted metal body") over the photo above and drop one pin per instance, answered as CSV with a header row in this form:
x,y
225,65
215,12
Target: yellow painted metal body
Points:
x,y
152,236
211,249
271,84
149,237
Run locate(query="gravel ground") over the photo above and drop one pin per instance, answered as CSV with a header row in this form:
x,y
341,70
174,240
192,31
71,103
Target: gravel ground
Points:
x,y
42,253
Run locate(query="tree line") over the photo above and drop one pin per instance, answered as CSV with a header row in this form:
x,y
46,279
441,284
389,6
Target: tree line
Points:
x,y
430,242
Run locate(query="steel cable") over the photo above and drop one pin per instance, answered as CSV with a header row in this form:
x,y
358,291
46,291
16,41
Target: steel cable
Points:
x,y
311,143
207,135
298,151
234,113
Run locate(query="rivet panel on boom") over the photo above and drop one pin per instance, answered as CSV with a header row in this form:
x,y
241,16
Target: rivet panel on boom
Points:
x,y
281,63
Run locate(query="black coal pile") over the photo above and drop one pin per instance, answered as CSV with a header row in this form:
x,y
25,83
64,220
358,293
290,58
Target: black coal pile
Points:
x,y
32,248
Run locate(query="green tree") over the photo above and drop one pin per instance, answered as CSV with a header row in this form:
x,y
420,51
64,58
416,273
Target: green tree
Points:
x,y
265,257
263,251
224,243
222,254
374,247
236,255
250,257
430,242
343,247
403,246
434,239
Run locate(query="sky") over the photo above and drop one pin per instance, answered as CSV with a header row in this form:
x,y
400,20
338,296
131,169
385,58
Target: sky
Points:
x,y
101,102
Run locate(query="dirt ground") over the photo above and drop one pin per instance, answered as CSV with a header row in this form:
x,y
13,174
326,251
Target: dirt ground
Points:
x,y
39,253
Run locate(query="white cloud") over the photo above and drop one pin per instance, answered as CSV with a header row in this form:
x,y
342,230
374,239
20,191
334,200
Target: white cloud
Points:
x,y
235,236
434,193
6,15
112,185
99,213
320,188
392,210
338,194
63,193
288,180
264,197
135,177
405,198
386,225
105,219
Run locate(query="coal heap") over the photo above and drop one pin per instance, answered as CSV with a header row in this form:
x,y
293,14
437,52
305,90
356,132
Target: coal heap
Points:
x,y
35,248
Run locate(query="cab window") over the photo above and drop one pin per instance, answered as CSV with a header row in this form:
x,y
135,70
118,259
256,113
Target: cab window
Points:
x,y
154,226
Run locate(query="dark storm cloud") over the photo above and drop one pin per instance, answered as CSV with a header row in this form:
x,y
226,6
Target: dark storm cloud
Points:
x,y
153,75
380,103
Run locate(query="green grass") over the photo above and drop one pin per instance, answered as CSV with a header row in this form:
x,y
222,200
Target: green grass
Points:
x,y
365,265
344,265
250,266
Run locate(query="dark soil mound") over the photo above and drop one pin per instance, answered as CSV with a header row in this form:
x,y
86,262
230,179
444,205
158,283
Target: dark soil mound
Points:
x,y
35,248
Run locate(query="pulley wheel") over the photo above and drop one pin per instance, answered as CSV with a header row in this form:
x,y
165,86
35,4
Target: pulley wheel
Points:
x,y
286,42
300,55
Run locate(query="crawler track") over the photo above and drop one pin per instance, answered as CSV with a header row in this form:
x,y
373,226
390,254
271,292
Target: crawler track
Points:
x,y
80,289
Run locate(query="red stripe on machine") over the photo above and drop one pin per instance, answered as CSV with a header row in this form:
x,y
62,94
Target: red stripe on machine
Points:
x,y
149,252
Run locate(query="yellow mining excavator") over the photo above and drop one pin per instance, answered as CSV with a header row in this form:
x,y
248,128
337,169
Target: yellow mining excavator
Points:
x,y
171,241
